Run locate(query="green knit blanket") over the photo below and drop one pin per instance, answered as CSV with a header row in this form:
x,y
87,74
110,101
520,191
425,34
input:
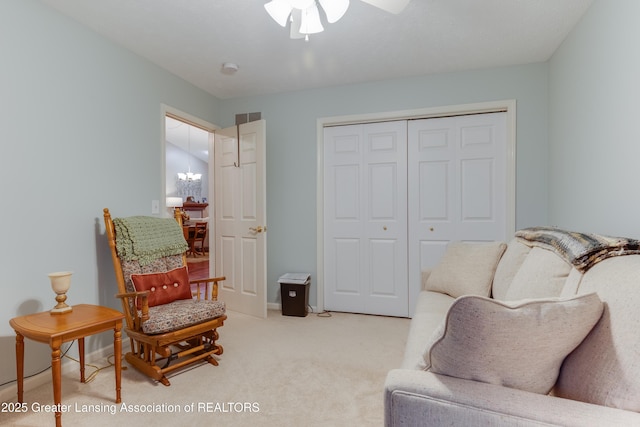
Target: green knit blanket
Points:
x,y
146,239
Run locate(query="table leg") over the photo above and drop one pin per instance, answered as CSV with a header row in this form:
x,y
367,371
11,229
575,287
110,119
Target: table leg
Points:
x,y
20,365
56,373
81,351
117,356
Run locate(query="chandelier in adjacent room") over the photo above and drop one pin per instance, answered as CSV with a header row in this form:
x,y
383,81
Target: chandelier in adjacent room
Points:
x,y
189,183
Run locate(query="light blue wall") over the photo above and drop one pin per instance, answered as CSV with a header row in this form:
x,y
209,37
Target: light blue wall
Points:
x,y
292,144
594,113
80,130
83,117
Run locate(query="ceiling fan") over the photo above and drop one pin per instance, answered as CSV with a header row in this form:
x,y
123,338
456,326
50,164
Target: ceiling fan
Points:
x,y
304,15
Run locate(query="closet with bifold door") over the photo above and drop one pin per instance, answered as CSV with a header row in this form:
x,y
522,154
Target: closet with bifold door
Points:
x,y
396,193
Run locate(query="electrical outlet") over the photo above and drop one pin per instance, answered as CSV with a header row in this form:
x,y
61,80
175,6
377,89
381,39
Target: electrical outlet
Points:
x,y
155,206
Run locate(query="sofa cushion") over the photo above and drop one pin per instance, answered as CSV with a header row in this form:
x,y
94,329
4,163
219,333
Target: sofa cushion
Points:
x,y
572,284
466,269
543,274
163,287
520,344
605,368
430,309
507,268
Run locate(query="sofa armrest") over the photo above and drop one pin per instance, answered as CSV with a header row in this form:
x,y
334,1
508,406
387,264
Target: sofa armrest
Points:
x,y
420,398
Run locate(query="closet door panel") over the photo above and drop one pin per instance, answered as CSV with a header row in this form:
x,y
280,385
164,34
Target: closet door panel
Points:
x,y
482,157
386,280
457,186
366,205
343,253
476,185
433,200
432,178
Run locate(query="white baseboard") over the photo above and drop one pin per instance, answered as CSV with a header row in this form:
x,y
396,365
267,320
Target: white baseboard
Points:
x,y
274,306
10,393
278,307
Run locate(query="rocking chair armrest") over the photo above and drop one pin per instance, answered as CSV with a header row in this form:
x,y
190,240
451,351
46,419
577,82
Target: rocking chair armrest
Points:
x,y
142,294
211,282
208,280
144,302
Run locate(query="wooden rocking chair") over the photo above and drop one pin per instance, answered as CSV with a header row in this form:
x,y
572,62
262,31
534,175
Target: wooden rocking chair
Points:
x,y
169,324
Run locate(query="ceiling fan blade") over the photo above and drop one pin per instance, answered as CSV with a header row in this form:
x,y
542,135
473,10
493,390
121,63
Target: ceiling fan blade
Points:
x,y
279,10
334,9
391,6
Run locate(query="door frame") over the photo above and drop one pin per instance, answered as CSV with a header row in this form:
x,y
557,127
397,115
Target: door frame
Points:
x,y
508,106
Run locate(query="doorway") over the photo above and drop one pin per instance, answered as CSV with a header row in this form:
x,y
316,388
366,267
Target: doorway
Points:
x,y
188,183
236,204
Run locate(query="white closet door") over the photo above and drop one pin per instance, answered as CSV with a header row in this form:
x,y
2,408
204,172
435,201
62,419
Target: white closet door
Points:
x,y
457,186
365,218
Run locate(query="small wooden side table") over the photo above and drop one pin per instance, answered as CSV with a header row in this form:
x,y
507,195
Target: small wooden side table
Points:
x,y
55,329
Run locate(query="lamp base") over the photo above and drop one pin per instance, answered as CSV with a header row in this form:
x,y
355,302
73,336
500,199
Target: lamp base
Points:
x,y
61,307
61,310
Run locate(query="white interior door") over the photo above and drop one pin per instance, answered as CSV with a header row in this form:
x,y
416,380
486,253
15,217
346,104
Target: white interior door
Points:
x,y
240,217
365,218
457,186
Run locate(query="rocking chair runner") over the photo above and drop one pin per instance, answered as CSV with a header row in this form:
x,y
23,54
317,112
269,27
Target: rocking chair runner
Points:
x,y
166,323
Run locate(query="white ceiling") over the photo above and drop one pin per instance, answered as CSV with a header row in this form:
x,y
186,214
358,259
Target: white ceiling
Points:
x,y
189,138
192,38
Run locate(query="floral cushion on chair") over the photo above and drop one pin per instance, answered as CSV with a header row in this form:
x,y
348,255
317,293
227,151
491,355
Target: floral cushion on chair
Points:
x,y
174,315
161,264
180,314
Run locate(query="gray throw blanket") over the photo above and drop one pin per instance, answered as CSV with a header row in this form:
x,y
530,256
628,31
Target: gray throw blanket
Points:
x,y
579,249
146,239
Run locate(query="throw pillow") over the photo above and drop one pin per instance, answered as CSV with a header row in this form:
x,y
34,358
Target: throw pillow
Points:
x,y
466,269
517,344
542,275
163,287
509,264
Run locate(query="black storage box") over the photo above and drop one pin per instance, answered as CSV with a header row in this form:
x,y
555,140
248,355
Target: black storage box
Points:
x,y
294,296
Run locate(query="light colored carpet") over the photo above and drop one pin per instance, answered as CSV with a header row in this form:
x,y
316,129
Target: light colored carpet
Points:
x,y
279,371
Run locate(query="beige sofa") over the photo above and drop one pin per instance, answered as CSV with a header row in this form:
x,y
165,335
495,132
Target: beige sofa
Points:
x,y
538,347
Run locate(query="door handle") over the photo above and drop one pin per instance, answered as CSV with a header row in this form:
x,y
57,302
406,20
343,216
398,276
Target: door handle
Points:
x,y
258,229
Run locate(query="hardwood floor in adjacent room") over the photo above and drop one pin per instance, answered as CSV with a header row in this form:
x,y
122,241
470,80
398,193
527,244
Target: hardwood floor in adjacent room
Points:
x,y
198,267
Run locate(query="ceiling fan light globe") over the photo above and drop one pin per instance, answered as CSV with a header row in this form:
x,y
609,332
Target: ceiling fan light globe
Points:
x,y
334,9
310,21
279,10
294,30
